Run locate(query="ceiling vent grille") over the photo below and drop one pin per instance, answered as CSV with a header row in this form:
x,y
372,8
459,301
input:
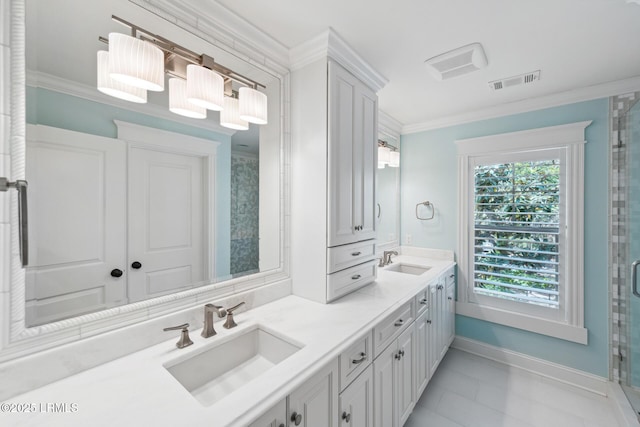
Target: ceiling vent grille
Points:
x,y
457,62
522,79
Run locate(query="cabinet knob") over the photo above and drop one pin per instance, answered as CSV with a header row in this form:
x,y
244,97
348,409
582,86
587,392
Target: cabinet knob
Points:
x,y
401,352
296,418
429,321
424,301
346,417
136,265
397,356
449,298
399,322
439,287
116,272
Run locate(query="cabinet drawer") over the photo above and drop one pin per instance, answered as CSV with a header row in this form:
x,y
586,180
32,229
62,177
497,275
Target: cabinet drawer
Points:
x,y
345,281
392,326
355,359
422,301
346,256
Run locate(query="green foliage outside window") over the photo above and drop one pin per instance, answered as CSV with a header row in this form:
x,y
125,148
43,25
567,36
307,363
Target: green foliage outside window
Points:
x,y
517,231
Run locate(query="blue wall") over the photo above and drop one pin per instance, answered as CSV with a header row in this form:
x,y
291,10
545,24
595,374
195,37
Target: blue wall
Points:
x,y
55,109
430,172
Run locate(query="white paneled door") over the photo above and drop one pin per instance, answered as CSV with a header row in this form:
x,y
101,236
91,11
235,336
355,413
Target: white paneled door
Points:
x,y
77,258
166,222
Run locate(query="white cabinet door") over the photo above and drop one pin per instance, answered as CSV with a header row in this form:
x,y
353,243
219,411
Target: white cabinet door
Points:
x,y
384,401
77,182
405,375
433,328
167,202
422,353
356,402
315,403
450,314
442,318
352,155
342,98
275,417
365,155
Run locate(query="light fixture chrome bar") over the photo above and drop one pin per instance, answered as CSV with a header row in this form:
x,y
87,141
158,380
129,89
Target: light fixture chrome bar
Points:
x,y
23,229
382,143
177,57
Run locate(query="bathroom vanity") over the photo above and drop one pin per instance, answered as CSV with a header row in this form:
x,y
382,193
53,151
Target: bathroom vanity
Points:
x,y
363,359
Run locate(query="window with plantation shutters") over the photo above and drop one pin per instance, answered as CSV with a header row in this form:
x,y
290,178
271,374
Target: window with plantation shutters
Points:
x,y
517,231
520,245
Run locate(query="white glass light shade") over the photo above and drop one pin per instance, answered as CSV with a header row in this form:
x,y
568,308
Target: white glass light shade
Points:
x,y
253,106
230,115
384,156
114,88
136,62
394,159
205,88
178,102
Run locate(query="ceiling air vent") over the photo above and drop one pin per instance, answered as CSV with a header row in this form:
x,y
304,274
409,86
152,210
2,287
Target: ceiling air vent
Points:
x,y
522,79
457,62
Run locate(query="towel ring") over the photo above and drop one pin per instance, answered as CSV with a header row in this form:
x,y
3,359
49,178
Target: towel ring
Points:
x,y
427,204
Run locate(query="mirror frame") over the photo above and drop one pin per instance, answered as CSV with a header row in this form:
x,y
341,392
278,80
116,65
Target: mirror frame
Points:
x,y
234,36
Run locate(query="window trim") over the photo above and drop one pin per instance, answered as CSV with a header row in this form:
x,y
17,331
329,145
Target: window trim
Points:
x,y
570,140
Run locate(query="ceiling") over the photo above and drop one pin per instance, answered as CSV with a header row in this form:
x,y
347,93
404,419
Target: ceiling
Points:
x,y
575,44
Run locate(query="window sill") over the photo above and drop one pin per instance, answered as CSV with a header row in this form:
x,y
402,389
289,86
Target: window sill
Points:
x,y
522,321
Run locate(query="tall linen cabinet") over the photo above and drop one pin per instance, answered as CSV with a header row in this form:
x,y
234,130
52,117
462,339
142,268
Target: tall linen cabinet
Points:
x,y
334,128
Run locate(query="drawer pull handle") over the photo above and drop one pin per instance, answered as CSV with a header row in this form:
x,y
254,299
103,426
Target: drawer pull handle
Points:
x,y
296,418
400,322
439,287
356,277
424,301
356,253
363,357
451,276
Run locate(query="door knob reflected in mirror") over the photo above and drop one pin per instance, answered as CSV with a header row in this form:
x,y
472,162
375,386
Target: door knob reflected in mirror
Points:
x,y
136,265
116,272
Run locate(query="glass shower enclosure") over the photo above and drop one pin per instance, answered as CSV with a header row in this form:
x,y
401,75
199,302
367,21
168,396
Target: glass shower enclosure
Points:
x,y
629,251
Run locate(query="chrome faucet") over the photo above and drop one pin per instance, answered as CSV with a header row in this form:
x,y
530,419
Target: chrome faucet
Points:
x,y
209,309
386,258
184,340
230,323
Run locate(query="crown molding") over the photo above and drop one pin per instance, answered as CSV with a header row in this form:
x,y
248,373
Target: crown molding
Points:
x,y
224,28
330,44
68,87
603,90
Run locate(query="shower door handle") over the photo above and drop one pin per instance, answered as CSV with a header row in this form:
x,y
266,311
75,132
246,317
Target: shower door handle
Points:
x,y
634,277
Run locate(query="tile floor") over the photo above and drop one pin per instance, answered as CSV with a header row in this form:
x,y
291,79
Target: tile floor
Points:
x,y
471,391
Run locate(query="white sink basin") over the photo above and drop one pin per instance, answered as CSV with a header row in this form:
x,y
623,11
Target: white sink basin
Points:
x,y
416,270
219,370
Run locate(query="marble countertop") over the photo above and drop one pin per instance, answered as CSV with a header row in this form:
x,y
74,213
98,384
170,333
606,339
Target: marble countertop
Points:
x,y
138,390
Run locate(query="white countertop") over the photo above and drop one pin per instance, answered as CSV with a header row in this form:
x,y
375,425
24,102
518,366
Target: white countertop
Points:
x,y
138,390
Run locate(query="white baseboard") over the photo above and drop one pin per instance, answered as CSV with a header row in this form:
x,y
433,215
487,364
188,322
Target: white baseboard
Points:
x,y
574,377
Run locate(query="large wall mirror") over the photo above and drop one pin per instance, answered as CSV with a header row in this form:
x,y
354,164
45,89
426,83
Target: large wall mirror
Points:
x,y
129,202
388,194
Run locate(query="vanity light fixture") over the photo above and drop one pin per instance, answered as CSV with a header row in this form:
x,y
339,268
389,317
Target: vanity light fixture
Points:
x,y
387,155
230,115
115,88
178,102
141,60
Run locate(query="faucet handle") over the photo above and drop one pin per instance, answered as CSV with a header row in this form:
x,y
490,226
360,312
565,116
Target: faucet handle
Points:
x,y
184,340
230,323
